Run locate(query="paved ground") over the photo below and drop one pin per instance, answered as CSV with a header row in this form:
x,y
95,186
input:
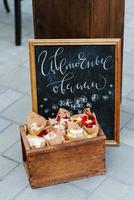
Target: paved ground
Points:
x,y
15,103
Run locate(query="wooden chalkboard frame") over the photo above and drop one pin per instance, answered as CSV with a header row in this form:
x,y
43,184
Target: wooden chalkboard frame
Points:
x,y
109,41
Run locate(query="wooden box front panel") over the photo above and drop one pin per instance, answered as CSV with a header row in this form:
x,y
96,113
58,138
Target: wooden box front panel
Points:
x,y
65,162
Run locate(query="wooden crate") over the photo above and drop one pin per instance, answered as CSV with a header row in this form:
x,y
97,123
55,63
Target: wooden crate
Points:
x,y
63,163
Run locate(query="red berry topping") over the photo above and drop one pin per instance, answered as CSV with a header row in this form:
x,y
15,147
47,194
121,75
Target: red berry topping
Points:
x,y
58,117
90,126
42,133
91,117
94,122
65,117
86,122
84,119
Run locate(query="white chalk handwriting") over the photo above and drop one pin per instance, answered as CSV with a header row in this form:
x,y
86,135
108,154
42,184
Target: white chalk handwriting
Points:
x,y
64,85
59,63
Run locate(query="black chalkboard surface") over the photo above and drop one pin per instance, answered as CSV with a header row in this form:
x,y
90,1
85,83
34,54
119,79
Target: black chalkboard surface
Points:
x,y
75,74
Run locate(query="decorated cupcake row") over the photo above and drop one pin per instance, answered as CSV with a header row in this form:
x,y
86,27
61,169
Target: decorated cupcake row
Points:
x,y
63,128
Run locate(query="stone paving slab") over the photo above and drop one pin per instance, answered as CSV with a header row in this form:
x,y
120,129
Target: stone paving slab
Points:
x,y
128,64
20,76
131,95
128,137
125,118
8,97
127,84
4,123
130,124
6,166
14,152
129,20
23,107
129,40
120,164
13,184
130,194
89,184
109,189
57,192
6,65
8,137
2,89
127,106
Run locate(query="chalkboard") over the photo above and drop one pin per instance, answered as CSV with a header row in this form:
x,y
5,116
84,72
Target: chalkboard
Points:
x,y
75,74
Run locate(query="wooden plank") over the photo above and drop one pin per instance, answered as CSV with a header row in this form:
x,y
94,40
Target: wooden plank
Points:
x,y
80,19
43,12
70,19
33,77
78,161
61,19
23,131
99,19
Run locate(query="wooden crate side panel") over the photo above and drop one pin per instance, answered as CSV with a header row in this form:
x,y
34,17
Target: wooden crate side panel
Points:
x,y
107,18
61,19
90,18
43,18
100,19
62,166
79,19
60,178
25,149
117,19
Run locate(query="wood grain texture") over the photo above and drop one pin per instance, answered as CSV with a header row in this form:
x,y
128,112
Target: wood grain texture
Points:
x,y
61,18
63,163
33,77
43,10
100,20
78,18
117,91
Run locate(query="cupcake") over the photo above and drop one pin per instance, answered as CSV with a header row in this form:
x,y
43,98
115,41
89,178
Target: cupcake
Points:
x,y
36,142
62,114
36,123
75,132
54,139
57,126
90,124
76,118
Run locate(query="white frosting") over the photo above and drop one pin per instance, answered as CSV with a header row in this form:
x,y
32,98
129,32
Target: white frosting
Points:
x,y
89,121
78,118
76,132
94,126
62,120
35,141
59,126
50,135
35,127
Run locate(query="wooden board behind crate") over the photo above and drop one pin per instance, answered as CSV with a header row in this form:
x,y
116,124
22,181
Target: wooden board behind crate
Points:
x,y
78,18
75,74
